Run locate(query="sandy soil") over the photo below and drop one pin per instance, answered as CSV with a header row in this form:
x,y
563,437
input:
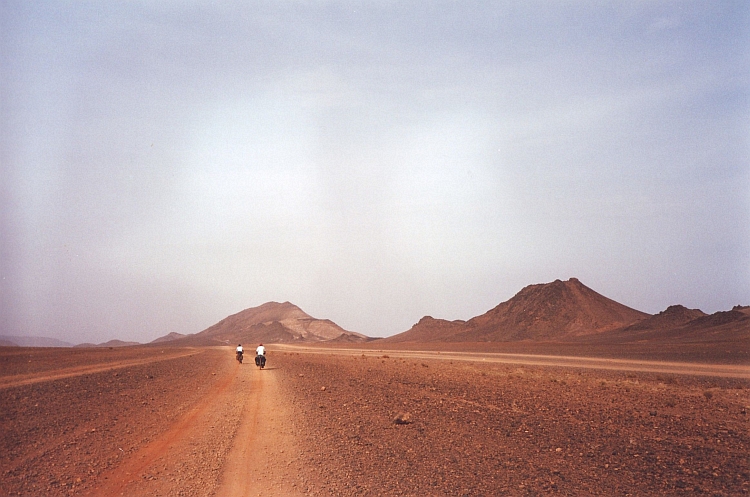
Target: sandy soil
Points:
x,y
150,421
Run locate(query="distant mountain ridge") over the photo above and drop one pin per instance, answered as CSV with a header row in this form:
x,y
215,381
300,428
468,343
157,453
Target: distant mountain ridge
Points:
x,y
19,341
679,324
556,311
570,311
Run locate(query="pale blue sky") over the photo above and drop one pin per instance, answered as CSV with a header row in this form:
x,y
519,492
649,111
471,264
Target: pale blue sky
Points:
x,y
165,164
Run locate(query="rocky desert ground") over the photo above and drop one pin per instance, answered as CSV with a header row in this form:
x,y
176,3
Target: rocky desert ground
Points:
x,y
192,421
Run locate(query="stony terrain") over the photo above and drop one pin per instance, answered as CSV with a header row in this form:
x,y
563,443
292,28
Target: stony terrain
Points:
x,y
64,436
476,429
175,423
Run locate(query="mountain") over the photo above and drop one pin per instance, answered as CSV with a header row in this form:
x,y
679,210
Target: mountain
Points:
x,y
672,317
273,322
548,311
429,329
33,341
679,324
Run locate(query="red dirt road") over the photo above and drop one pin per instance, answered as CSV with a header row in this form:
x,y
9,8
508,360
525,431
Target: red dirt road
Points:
x,y
256,445
266,460
152,421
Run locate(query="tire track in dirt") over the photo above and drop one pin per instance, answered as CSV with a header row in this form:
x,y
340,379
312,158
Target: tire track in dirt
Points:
x,y
29,379
263,456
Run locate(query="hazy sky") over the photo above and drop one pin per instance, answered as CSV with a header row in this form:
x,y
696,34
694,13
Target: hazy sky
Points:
x,y
166,164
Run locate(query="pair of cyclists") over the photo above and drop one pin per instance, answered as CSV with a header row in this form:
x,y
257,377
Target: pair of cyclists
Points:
x,y
260,354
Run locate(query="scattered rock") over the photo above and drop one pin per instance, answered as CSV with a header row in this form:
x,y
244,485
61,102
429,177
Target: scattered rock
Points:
x,y
402,418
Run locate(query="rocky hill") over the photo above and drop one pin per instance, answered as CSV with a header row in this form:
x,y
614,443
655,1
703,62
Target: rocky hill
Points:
x,y
273,322
549,311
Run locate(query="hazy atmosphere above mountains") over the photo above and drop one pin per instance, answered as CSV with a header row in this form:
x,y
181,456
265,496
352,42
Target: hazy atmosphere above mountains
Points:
x,y
166,164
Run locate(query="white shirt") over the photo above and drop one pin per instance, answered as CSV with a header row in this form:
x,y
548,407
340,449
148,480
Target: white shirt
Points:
x,y
261,350
239,348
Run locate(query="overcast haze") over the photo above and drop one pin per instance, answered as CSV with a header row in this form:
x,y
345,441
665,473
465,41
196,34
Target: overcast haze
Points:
x,y
166,164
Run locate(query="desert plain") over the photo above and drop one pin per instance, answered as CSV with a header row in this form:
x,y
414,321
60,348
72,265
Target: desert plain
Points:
x,y
363,420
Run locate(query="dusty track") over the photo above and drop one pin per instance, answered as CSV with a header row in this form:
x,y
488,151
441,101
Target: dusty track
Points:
x,y
681,368
241,428
42,376
261,460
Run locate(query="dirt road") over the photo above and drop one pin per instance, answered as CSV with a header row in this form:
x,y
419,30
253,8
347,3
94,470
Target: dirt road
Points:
x,y
264,459
237,442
